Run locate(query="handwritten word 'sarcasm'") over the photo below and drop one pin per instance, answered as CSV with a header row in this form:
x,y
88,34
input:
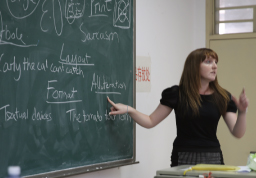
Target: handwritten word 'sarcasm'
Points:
x,y
96,36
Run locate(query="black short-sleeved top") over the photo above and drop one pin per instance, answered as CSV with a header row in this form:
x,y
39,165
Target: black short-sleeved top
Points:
x,y
199,132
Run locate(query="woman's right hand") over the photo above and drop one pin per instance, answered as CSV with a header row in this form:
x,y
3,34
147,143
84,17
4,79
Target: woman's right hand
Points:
x,y
117,108
144,120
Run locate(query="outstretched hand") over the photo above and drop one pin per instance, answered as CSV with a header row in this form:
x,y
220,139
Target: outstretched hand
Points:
x,y
242,103
117,108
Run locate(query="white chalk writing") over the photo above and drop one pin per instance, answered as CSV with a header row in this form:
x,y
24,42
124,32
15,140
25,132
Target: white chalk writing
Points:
x,y
99,36
37,115
100,8
59,96
96,117
8,37
74,59
103,86
19,115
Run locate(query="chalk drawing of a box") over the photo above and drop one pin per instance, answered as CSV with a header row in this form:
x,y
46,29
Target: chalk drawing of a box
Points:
x,y
122,14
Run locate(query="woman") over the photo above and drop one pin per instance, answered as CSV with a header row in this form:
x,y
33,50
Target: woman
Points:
x,y
198,102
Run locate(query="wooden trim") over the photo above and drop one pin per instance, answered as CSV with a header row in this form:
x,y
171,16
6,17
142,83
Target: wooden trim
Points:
x,y
209,21
234,21
234,7
232,36
212,34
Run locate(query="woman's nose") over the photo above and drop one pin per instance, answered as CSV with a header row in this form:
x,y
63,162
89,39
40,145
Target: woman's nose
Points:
x,y
214,65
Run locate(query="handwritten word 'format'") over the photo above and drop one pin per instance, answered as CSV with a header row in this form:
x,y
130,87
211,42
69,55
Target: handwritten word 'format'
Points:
x,y
58,96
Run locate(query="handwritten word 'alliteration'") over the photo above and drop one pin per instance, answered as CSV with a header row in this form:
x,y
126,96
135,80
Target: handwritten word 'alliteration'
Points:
x,y
86,117
18,115
102,86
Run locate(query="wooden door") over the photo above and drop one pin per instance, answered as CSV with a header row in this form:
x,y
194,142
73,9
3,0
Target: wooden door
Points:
x,y
237,69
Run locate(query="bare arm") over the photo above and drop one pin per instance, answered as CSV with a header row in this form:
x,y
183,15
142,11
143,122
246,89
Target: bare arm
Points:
x,y
237,123
160,113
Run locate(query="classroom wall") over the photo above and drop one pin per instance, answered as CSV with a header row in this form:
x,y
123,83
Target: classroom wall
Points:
x,y
167,31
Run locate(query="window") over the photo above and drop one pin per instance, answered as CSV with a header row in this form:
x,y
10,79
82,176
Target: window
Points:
x,y
235,16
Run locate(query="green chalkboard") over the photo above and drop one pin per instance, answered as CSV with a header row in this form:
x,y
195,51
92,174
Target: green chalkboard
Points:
x,y
59,60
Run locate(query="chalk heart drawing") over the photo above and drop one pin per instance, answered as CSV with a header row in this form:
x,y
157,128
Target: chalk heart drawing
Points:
x,y
21,9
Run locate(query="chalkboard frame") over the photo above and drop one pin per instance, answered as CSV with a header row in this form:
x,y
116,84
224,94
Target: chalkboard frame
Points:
x,y
85,169
110,164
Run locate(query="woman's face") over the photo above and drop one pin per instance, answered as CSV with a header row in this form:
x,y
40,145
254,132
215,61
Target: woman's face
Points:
x,y
208,69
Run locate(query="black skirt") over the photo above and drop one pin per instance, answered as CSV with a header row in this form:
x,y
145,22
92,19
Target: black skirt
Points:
x,y
196,156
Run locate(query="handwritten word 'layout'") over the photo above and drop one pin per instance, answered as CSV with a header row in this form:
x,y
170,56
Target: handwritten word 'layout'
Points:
x,y
73,64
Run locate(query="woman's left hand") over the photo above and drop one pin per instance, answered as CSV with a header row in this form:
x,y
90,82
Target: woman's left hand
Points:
x,y
242,103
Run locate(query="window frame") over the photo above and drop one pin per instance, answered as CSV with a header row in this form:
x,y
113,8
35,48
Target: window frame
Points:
x,y
210,24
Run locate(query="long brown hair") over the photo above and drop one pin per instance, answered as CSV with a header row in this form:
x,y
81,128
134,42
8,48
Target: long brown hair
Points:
x,y
190,83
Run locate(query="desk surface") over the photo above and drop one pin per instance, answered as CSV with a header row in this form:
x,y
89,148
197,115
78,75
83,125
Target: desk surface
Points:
x,y
177,172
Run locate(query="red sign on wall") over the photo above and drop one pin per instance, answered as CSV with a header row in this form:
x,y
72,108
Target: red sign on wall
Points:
x,y
143,74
